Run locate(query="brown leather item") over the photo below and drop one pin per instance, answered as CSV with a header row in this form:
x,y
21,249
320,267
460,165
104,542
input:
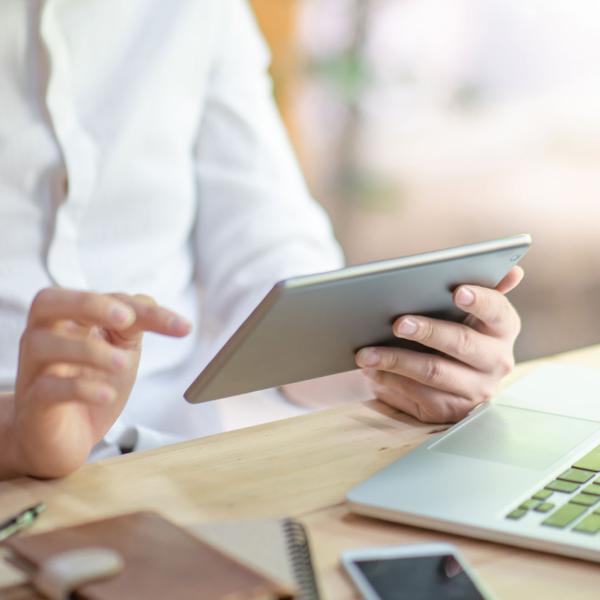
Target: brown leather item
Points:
x,y
161,561
20,592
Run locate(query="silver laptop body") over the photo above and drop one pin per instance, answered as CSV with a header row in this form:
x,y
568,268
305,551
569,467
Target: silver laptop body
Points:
x,y
479,478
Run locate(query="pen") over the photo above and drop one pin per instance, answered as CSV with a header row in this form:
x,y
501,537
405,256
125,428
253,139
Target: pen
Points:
x,y
21,521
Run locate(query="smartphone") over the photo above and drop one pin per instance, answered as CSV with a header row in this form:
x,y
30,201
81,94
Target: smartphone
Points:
x,y
413,572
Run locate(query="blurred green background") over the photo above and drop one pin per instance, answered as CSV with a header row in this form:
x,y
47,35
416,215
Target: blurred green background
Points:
x,y
422,124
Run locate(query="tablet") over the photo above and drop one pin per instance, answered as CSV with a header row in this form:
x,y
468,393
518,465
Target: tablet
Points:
x,y
311,326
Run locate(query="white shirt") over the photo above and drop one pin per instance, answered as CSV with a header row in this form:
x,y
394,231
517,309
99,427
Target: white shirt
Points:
x,y
140,151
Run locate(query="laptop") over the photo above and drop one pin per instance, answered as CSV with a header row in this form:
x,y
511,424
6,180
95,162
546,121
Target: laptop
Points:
x,y
522,470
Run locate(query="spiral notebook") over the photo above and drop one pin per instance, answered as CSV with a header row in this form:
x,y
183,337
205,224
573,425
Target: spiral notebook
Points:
x,y
278,548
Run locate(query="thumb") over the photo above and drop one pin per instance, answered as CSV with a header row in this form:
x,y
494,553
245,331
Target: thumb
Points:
x,y
149,316
131,337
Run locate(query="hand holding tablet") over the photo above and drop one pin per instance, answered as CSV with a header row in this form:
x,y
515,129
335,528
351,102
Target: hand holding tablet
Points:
x,y
312,326
476,355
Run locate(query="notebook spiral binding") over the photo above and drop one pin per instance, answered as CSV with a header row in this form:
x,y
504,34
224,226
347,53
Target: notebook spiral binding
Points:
x,y
299,551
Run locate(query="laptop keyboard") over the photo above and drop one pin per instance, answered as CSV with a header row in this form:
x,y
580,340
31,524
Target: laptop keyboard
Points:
x,y
571,501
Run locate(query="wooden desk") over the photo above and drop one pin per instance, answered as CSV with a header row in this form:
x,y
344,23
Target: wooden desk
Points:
x,y
303,467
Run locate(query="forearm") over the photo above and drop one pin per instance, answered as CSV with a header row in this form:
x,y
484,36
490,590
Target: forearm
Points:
x,y
8,462
329,391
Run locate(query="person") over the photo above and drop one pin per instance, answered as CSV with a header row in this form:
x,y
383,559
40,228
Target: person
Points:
x,y
143,165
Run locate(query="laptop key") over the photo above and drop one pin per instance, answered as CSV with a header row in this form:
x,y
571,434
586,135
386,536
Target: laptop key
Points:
x,y
545,494
545,507
564,515
593,489
562,486
530,504
585,499
576,475
516,514
591,461
591,524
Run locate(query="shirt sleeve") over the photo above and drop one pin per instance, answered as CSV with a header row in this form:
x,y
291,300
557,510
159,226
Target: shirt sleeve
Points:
x,y
257,222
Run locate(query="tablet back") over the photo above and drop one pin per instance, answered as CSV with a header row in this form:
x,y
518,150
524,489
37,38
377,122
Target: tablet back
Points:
x,y
312,326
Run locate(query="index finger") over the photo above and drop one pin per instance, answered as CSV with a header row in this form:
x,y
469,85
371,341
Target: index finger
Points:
x,y
490,307
149,316
88,308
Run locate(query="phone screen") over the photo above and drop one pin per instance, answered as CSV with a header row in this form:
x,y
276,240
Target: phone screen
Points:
x,y
419,578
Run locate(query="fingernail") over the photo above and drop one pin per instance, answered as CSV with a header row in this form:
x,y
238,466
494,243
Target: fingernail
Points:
x,y
465,297
407,327
106,395
179,325
119,358
121,315
367,358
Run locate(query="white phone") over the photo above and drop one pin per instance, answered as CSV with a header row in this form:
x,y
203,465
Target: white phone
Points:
x,y
434,571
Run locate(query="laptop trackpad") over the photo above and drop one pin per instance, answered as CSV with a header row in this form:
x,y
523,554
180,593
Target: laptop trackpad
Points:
x,y
518,437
